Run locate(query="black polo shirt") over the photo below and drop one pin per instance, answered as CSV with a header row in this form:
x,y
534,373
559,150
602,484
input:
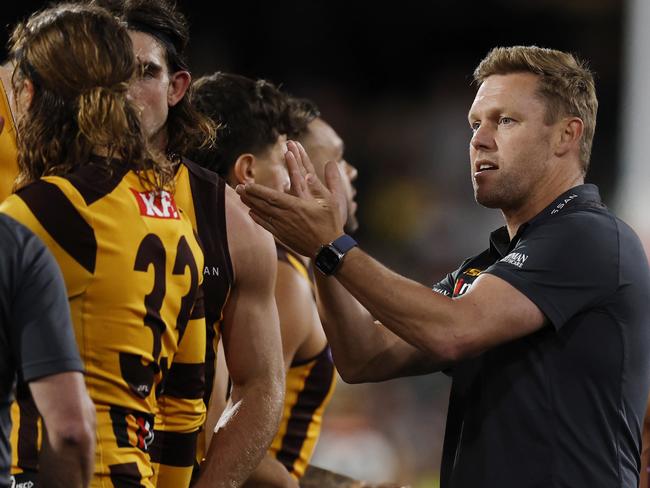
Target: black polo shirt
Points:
x,y
36,336
564,406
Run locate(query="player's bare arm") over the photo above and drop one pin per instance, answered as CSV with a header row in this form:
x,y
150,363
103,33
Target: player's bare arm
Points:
x,y
252,345
446,330
298,318
67,456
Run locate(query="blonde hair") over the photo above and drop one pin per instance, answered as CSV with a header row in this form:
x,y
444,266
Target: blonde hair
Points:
x,y
80,61
565,83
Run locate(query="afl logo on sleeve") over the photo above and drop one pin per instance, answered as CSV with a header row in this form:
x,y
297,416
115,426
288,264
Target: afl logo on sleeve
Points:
x,y
159,205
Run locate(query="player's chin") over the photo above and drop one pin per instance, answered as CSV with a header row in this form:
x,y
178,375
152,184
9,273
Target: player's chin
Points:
x,y
486,198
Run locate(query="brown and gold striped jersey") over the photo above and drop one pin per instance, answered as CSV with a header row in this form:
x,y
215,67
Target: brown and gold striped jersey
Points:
x,y
201,193
309,387
132,268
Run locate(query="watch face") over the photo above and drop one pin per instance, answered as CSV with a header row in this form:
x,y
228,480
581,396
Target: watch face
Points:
x,y
327,260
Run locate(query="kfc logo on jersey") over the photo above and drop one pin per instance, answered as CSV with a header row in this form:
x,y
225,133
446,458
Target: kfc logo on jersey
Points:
x,y
156,204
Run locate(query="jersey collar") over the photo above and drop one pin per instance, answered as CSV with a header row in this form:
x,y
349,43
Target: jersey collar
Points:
x,y
588,194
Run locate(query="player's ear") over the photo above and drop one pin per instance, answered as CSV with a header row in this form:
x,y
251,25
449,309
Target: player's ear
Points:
x,y
570,134
179,82
26,95
243,170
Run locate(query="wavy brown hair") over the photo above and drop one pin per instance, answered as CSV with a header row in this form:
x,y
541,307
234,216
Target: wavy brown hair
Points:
x,y
79,59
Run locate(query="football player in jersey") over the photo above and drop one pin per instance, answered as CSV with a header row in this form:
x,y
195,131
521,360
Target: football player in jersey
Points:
x,y
254,120
102,204
240,270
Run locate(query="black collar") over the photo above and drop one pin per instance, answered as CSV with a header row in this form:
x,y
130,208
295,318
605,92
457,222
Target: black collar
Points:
x,y
586,194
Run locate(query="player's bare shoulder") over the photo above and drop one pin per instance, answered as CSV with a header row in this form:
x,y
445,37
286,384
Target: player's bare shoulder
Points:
x,y
249,244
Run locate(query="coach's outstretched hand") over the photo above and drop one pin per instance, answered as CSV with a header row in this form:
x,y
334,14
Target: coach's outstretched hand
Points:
x,y
312,214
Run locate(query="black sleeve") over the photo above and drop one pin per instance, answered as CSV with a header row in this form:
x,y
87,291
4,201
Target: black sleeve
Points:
x,y
445,286
564,265
42,334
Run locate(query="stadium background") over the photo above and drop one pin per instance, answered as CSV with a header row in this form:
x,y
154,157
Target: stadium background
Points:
x,y
395,82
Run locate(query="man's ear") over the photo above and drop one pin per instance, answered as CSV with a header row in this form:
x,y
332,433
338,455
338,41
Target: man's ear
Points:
x,y
243,171
179,82
571,131
26,94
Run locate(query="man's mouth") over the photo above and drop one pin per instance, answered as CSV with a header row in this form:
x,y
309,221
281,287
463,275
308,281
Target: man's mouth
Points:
x,y
485,166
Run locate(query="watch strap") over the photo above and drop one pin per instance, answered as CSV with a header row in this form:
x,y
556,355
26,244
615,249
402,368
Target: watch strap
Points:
x,y
344,243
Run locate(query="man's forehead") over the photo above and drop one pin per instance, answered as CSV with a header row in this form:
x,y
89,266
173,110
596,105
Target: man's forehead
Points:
x,y
146,47
501,89
321,134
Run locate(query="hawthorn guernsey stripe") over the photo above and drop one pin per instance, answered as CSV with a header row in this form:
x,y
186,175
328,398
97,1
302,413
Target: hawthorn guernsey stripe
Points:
x,y
132,281
185,381
313,382
174,448
200,195
309,386
62,221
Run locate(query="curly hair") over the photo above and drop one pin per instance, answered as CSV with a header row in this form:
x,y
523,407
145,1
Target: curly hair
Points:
x,y
250,114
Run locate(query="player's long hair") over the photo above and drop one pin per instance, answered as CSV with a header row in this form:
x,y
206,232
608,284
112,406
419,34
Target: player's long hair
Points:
x,y
187,128
80,61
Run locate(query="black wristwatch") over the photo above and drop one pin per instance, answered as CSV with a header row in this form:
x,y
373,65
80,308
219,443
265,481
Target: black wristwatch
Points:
x,y
329,256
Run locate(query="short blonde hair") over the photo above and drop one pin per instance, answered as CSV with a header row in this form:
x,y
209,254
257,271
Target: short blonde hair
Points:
x,y
565,83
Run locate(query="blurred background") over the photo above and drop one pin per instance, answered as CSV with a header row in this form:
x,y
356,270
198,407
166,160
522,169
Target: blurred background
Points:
x,y
395,82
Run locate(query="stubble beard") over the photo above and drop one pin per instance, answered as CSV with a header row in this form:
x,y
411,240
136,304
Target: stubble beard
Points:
x,y
508,193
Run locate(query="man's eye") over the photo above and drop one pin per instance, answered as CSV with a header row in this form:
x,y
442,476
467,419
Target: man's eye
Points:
x,y
505,120
475,126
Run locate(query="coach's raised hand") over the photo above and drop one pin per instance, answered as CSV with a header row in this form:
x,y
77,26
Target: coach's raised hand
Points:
x,y
312,215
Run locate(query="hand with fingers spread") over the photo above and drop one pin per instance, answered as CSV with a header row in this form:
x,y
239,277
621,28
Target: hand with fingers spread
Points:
x,y
311,215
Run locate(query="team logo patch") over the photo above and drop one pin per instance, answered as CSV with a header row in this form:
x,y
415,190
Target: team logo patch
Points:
x,y
472,272
156,204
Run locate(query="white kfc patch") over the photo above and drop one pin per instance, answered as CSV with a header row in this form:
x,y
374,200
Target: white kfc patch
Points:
x,y
159,205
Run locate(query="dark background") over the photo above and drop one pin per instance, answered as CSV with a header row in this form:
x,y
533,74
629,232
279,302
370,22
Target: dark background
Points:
x,y
395,82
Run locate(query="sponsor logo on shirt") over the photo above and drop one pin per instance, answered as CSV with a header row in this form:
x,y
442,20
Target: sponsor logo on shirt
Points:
x,y
516,259
441,291
24,484
461,287
561,205
144,433
472,272
156,204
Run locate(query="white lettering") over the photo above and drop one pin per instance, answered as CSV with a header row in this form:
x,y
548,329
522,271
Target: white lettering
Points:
x,y
166,202
211,271
561,205
149,201
516,259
